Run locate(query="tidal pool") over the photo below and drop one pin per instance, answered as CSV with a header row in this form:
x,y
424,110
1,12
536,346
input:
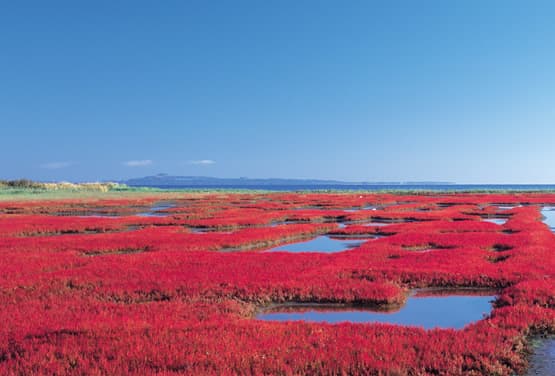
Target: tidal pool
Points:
x,y
199,230
323,243
428,311
362,223
497,221
377,224
368,207
157,210
506,207
549,216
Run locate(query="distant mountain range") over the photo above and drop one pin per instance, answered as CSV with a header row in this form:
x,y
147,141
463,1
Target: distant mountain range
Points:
x,y
165,180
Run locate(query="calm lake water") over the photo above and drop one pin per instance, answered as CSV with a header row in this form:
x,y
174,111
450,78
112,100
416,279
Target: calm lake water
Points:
x,y
455,311
321,243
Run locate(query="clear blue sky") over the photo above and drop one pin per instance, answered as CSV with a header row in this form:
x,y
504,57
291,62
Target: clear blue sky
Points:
x,y
460,91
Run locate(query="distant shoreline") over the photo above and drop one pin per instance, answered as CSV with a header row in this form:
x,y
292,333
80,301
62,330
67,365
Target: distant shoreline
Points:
x,y
365,187
27,189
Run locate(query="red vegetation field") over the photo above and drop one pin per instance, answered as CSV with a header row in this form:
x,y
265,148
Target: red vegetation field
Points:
x,y
90,287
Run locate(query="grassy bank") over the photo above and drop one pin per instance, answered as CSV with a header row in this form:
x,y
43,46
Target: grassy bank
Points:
x,y
24,189
27,189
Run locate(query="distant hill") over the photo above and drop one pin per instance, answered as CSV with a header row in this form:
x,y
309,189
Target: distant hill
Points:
x,y
164,180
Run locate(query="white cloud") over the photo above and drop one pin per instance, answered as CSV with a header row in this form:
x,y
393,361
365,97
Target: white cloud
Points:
x,y
56,165
202,162
138,163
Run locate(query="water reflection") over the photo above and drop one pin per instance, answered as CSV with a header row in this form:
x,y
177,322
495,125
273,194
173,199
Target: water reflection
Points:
x,y
157,210
323,243
497,221
428,311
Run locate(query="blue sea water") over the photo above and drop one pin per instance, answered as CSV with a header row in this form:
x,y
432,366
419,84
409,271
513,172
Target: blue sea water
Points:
x,y
372,187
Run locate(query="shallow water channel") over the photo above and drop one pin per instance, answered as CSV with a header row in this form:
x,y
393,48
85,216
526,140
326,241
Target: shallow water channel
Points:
x,y
542,361
428,311
322,243
354,210
507,207
157,210
497,221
